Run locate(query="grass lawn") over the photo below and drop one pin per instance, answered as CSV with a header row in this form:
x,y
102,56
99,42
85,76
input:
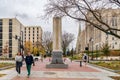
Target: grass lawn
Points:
x,y
2,65
115,77
1,75
115,65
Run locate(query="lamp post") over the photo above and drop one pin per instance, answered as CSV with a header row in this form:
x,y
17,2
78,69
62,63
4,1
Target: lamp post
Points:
x,y
92,48
20,42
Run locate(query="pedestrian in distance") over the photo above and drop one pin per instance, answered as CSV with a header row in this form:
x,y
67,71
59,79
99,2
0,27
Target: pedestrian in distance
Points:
x,y
85,59
18,59
81,59
29,61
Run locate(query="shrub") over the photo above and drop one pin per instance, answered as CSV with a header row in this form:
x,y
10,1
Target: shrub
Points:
x,y
115,53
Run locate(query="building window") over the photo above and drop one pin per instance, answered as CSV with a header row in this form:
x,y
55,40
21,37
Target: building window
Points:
x,y
112,38
106,21
113,47
10,42
0,42
10,35
10,21
114,21
10,49
0,21
0,49
10,28
0,28
0,35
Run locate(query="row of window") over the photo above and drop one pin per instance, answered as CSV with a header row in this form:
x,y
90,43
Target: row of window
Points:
x,y
29,40
1,35
33,38
33,35
33,31
31,28
10,42
10,29
10,49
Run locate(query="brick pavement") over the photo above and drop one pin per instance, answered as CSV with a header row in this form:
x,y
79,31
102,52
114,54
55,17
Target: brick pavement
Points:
x,y
74,72
73,66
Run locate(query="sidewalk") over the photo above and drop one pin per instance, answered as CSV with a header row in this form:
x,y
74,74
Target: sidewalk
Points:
x,y
74,72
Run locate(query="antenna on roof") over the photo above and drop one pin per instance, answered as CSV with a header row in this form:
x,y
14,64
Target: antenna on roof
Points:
x,y
16,16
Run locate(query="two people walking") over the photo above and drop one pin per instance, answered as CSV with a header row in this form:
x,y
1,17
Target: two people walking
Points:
x,y
28,60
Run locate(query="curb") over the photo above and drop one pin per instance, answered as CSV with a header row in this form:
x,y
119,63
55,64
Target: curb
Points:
x,y
4,68
104,68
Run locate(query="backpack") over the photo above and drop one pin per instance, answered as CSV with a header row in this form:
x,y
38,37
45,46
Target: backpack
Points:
x,y
85,57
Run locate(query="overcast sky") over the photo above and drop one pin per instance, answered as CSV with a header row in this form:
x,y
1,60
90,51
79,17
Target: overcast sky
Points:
x,y
28,12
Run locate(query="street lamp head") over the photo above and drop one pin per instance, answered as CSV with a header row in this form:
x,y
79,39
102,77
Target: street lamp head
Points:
x,y
18,37
92,39
15,36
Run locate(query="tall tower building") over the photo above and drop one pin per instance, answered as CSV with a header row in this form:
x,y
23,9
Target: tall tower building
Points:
x,y
78,45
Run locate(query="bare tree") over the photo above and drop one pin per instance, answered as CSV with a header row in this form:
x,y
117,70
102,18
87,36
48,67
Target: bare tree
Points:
x,y
80,9
47,41
117,2
67,38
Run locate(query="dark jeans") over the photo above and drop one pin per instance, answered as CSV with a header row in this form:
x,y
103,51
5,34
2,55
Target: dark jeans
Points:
x,y
18,67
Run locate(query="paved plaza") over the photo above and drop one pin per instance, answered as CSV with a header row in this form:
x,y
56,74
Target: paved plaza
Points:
x,y
74,72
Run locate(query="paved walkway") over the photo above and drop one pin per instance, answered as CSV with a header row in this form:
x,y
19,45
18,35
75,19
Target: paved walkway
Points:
x,y
74,72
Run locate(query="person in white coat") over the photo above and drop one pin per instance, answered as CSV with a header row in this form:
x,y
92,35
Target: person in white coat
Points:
x,y
18,59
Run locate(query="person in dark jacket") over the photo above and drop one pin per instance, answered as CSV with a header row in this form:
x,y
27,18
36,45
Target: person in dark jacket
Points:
x,y
29,61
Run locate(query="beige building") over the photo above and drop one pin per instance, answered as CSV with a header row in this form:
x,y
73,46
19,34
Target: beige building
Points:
x,y
96,38
33,34
9,28
13,34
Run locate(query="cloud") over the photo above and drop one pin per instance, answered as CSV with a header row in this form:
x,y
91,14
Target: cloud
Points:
x,y
27,11
22,15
